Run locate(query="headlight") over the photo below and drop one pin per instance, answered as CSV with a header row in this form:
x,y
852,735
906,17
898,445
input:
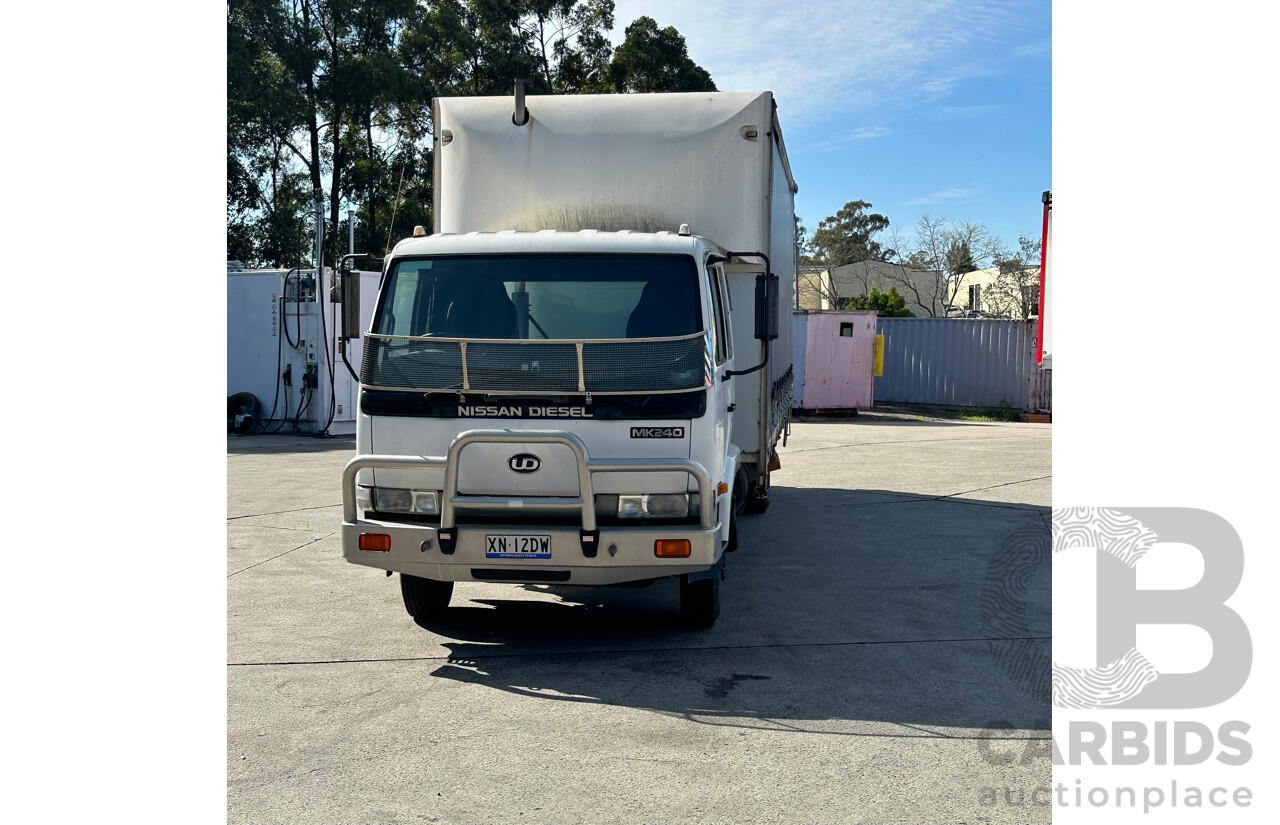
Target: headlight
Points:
x,y
660,505
391,500
426,502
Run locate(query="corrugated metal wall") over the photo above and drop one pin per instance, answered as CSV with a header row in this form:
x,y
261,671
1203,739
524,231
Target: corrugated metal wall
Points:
x,y
957,362
1041,389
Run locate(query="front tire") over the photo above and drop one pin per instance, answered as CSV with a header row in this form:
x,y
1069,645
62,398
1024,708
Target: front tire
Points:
x,y
425,598
700,602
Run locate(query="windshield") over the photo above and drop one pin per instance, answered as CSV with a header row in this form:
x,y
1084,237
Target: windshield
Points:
x,y
540,297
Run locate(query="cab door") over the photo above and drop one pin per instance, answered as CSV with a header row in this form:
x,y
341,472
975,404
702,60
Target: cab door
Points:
x,y
722,392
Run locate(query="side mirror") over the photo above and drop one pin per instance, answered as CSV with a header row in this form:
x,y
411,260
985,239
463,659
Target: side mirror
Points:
x,y
766,307
349,296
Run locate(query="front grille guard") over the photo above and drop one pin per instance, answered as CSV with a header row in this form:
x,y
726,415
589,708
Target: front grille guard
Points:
x,y
451,501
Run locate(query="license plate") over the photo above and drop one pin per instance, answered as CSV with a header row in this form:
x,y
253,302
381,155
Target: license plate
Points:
x,y
517,547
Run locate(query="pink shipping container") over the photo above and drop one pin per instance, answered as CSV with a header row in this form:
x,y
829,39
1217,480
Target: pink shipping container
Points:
x,y
834,356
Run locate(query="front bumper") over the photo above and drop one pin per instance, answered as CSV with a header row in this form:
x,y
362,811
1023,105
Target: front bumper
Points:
x,y
626,554
583,556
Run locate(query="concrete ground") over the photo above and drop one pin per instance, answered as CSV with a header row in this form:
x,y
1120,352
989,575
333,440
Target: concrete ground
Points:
x,y
882,656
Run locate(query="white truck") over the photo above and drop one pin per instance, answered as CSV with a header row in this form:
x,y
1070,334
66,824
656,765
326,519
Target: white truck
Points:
x,y
580,377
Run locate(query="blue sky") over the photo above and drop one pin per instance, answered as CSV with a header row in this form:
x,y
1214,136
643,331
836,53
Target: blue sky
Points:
x,y
918,106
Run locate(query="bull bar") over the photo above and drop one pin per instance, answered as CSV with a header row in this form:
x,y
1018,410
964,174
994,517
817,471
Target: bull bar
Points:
x,y
451,501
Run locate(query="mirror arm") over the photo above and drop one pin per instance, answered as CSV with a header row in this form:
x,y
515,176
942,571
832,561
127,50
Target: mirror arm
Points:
x,y
768,267
730,373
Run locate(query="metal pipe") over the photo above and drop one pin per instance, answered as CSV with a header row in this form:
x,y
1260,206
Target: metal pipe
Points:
x,y
521,115
319,242
370,462
585,499
351,231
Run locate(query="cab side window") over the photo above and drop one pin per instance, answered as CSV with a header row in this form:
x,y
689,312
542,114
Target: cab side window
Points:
x,y
719,316
726,306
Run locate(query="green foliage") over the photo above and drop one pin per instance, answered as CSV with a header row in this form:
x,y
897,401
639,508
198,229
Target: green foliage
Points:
x,y
849,236
960,259
1004,412
656,60
335,95
887,304
1015,291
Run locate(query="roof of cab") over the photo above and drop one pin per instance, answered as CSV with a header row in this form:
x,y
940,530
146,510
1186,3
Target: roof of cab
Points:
x,y
513,241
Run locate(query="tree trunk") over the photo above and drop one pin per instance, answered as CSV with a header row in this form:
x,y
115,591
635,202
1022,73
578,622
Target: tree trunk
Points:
x,y
546,65
335,185
313,124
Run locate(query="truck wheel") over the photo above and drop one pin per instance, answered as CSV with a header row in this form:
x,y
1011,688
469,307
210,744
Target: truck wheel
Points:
x,y
425,598
699,602
732,544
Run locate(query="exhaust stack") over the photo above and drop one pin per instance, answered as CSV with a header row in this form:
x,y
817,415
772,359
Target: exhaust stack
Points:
x,y
521,115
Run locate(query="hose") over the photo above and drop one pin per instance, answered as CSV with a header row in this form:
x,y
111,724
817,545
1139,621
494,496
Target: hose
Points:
x,y
262,428
302,406
328,358
297,299
284,419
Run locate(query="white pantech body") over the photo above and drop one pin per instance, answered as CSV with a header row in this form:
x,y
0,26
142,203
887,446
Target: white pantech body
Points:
x,y
579,378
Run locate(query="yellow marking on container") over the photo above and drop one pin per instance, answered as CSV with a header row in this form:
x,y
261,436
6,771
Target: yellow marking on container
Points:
x,y
878,358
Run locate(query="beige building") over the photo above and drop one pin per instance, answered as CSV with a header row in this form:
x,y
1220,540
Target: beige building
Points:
x,y
987,292
809,286
822,288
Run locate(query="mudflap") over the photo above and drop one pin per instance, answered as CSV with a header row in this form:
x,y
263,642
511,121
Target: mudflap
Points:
x,y
715,571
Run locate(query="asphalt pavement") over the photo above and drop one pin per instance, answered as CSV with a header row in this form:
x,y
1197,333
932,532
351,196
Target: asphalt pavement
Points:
x,y
882,655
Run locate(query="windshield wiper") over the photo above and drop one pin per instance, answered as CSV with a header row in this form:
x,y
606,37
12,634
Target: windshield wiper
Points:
x,y
534,321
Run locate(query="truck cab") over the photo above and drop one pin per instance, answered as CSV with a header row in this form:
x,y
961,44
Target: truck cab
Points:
x,y
572,386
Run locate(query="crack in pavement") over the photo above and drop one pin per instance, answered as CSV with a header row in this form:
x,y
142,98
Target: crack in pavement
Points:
x,y
786,451
273,527
285,553
922,498
282,512
993,487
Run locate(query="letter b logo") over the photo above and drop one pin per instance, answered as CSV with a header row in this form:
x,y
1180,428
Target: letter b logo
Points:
x,y
1124,677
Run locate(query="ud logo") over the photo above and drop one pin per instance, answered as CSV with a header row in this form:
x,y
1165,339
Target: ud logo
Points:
x,y
524,463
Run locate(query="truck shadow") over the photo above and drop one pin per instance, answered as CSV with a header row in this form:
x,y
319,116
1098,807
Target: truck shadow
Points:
x,y
876,419
288,444
841,607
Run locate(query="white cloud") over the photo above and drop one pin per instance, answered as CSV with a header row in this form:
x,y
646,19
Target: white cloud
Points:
x,y
945,196
861,133
968,111
826,59
866,132
1041,48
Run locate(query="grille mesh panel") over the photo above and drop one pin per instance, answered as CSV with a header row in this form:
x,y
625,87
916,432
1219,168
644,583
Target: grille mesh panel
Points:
x,y
645,366
411,364
392,362
522,367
